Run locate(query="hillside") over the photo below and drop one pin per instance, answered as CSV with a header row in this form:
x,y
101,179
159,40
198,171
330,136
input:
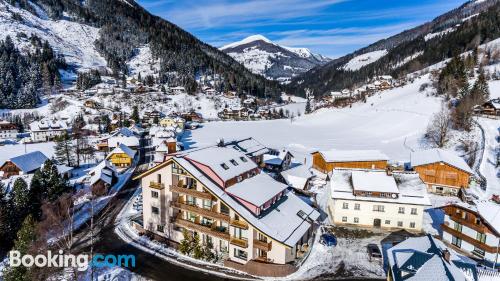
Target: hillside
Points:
x,y
109,35
460,30
264,57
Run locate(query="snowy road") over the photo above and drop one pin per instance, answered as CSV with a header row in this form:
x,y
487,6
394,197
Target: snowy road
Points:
x,y
488,166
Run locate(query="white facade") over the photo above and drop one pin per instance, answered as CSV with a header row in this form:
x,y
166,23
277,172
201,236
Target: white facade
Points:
x,y
8,133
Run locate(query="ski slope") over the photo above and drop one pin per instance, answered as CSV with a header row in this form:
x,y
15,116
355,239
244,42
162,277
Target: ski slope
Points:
x,y
391,121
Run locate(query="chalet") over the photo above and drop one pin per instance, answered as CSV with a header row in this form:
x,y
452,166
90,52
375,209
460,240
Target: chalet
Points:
x,y
377,199
221,194
278,160
122,156
192,117
491,107
130,141
172,121
326,161
298,177
47,129
444,172
102,177
91,104
166,147
473,228
340,95
152,117
234,113
23,164
178,90
426,258
8,130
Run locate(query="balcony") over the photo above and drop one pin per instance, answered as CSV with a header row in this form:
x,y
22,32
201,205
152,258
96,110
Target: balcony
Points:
x,y
156,185
192,192
262,245
210,213
468,239
239,242
239,224
210,230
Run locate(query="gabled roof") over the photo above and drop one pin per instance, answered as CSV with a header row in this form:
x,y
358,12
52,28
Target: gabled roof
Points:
x,y
373,181
353,155
29,162
47,124
128,141
257,190
250,146
297,177
489,211
121,148
430,156
104,171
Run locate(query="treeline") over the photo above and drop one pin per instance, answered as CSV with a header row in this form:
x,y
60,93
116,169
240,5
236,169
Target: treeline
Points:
x,y
24,77
87,80
468,36
126,26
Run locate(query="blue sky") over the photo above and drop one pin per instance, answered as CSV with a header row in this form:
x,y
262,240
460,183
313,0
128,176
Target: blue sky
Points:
x,y
328,27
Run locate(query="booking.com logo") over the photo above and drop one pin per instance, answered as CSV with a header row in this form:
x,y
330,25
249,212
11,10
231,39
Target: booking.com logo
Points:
x,y
82,262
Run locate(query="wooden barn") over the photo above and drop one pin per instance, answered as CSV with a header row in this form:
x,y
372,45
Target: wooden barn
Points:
x,y
23,164
442,171
326,161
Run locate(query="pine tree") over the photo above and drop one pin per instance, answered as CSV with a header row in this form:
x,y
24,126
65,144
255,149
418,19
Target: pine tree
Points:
x,y
55,184
197,248
20,198
135,114
308,106
185,245
480,92
64,150
26,236
7,220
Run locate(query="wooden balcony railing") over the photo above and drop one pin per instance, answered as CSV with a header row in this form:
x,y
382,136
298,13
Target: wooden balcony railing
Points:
x,y
210,213
239,224
156,185
192,192
264,246
468,239
210,230
239,242
477,227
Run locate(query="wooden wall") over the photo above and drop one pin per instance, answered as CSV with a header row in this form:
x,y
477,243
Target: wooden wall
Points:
x,y
437,173
9,169
320,164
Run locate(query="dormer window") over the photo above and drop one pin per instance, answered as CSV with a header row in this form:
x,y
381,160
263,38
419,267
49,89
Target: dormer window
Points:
x,y
243,159
233,162
224,166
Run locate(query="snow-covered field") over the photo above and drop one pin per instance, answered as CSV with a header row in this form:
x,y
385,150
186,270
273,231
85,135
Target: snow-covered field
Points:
x,y
9,151
391,121
364,59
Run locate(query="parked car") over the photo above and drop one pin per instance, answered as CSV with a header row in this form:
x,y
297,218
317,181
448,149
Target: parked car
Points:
x,y
373,251
328,239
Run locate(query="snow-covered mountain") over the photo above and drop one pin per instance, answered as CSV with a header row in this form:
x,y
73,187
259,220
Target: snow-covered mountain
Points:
x,y
262,56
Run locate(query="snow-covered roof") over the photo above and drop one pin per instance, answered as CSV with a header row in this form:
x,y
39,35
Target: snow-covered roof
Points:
x,y
104,171
61,169
226,162
424,157
410,187
335,155
47,125
123,132
373,181
495,103
121,148
297,177
29,162
422,259
131,141
257,190
250,146
281,222
488,210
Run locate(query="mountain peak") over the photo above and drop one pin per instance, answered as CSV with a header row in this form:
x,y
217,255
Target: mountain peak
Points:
x,y
249,39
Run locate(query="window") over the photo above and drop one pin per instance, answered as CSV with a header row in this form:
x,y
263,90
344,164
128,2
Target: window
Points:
x,y
401,210
160,228
155,210
223,246
344,219
357,206
356,220
224,166
413,211
154,194
457,227
481,237
345,206
412,225
378,208
207,204
243,159
240,254
400,224
456,241
224,209
233,162
387,222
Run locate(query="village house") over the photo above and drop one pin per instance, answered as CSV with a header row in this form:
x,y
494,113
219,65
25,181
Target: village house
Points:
x,y
252,148
123,136
151,117
219,193
473,228
444,172
377,199
298,177
91,104
172,122
426,258
8,130
277,160
326,161
24,164
102,177
166,147
491,107
192,116
122,156
178,90
235,113
47,129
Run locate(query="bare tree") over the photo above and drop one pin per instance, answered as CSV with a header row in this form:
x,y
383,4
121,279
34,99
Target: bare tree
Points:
x,y
438,130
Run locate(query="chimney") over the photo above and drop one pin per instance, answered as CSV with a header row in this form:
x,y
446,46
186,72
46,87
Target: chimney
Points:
x,y
446,255
171,146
